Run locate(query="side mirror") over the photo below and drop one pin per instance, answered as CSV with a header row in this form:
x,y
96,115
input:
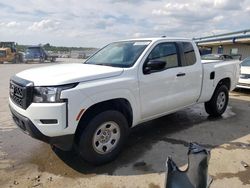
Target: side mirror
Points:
x,y
154,66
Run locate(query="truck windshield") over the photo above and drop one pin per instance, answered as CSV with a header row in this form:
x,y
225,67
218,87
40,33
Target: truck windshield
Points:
x,y
119,54
2,53
33,50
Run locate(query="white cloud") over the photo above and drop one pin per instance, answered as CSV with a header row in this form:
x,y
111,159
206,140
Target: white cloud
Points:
x,y
139,35
159,12
95,23
47,25
248,9
10,24
228,4
13,24
218,18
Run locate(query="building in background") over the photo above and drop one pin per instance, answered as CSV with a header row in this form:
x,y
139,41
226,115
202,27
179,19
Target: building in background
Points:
x,y
234,43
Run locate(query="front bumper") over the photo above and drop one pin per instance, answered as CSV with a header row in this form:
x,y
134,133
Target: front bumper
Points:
x,y
32,59
243,86
64,142
5,59
244,83
38,112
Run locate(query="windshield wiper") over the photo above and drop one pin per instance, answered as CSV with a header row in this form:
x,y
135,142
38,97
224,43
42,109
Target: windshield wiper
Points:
x,y
104,64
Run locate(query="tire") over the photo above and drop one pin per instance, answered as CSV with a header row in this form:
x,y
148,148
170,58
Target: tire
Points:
x,y
218,103
103,138
14,61
41,60
53,60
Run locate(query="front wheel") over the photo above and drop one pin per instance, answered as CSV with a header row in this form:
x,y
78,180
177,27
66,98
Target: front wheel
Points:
x,y
103,138
218,103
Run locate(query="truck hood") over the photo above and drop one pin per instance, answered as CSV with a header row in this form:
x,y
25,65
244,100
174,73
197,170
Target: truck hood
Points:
x,y
68,73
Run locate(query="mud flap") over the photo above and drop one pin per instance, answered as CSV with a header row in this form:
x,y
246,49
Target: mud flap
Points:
x,y
196,174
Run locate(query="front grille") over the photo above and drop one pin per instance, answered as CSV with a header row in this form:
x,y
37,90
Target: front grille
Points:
x,y
21,92
17,94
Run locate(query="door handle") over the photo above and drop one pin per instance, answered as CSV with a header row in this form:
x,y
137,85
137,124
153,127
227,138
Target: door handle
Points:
x,y
181,74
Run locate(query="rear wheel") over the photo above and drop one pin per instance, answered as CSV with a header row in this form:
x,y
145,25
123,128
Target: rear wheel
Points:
x,y
14,61
52,59
41,60
103,138
218,103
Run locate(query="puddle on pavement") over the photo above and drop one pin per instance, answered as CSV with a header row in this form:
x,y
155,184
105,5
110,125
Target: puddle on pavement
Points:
x,y
236,145
152,185
26,150
142,166
244,176
23,150
229,113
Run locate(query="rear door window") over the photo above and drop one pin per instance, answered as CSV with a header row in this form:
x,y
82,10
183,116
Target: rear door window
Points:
x,y
189,53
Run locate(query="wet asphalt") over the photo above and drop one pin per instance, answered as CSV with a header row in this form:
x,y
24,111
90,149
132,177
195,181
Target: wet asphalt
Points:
x,y
145,151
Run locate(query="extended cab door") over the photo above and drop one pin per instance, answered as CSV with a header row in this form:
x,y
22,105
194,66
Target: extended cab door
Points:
x,y
176,86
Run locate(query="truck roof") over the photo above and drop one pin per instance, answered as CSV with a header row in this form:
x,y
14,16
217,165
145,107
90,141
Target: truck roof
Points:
x,y
34,46
159,39
7,42
3,48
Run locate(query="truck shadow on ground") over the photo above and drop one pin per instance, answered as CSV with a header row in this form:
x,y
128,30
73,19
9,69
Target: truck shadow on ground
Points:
x,y
241,91
149,144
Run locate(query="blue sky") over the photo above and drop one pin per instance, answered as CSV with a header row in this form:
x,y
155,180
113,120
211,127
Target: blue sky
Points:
x,y
95,23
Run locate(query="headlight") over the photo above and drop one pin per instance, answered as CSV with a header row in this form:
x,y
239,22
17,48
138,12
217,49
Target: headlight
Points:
x,y
49,94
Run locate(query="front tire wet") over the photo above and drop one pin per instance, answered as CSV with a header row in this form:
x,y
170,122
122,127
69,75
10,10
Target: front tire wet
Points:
x,y
103,138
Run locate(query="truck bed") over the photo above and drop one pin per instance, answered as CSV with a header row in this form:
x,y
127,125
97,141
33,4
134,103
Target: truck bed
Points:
x,y
221,69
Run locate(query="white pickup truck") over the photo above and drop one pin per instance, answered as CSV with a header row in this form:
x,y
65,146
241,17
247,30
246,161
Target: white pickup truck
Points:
x,y
92,105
